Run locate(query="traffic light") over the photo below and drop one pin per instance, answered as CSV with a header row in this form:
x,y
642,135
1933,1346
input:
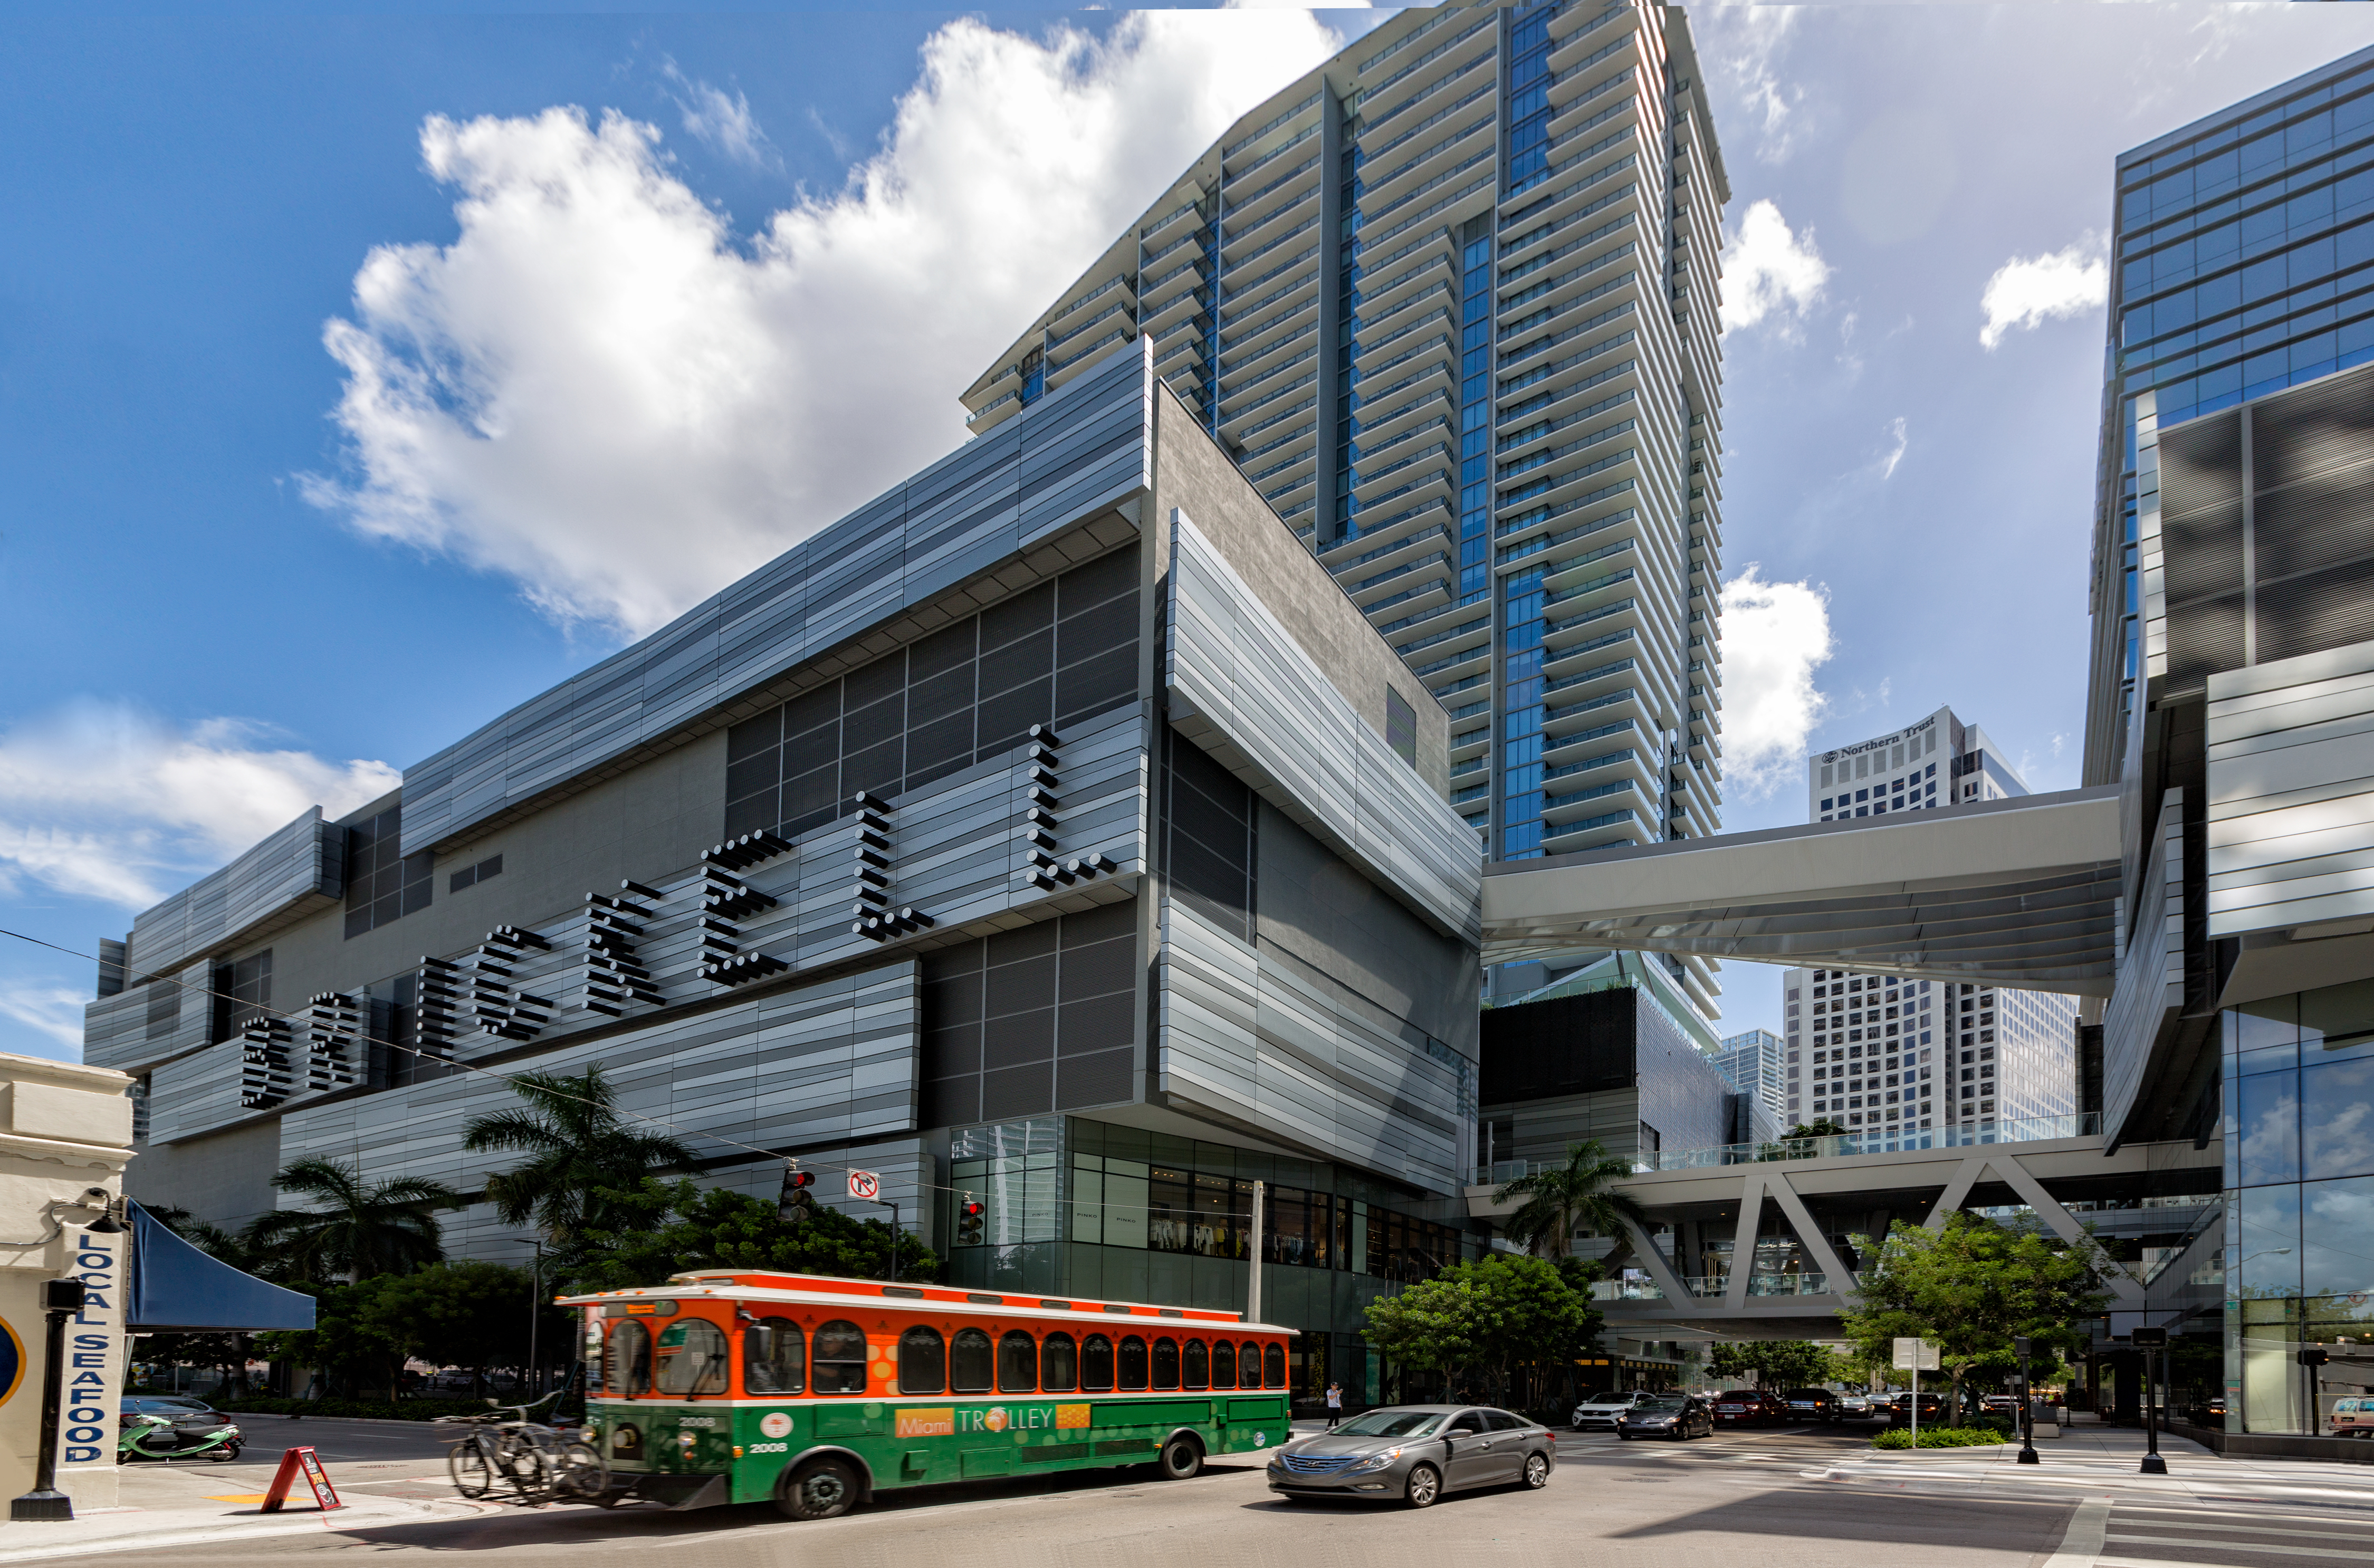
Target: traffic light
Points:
x,y
795,1204
972,1222
2314,1355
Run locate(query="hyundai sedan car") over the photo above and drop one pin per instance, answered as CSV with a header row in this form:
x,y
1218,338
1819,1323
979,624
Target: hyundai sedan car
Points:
x,y
1677,1416
1605,1409
1414,1453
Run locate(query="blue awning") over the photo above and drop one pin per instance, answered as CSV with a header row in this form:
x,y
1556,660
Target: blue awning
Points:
x,y
176,1289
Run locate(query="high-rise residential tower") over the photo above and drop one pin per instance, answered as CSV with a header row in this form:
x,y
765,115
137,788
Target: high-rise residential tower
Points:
x,y
1751,1062
1867,1050
1449,300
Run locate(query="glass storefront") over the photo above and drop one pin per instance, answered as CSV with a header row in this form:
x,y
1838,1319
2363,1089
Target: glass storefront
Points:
x,y
2299,1205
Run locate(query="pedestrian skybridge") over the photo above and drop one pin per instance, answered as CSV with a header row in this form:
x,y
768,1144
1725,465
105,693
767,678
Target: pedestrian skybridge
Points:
x,y
2016,892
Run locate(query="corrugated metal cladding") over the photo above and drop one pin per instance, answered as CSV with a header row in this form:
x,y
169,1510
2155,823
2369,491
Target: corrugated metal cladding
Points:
x,y
1242,688
827,1062
297,869
1073,451
2291,793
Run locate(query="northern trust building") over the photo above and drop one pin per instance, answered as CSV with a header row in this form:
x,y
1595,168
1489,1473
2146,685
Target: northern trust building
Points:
x,y
1052,829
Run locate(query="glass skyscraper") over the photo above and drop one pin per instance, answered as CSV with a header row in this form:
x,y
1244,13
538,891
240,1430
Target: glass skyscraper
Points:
x,y
2233,639
2242,261
1449,300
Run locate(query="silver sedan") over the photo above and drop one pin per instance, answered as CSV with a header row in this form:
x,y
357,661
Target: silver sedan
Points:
x,y
1413,1454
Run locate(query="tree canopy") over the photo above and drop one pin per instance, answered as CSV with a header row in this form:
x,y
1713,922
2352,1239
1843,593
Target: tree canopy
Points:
x,y
1564,1198
667,1228
1487,1318
1969,1287
579,1151
358,1228
1778,1363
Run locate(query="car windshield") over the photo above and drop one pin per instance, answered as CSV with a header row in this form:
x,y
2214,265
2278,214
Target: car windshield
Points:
x,y
1391,1423
1660,1404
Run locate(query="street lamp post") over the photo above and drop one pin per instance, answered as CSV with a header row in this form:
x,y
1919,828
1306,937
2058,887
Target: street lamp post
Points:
x,y
2026,1406
535,1315
45,1504
2151,1341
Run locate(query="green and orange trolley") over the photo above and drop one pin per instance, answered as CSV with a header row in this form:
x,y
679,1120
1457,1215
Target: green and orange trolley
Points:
x,y
815,1393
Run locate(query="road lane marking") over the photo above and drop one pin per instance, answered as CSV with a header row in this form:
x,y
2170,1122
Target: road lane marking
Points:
x,y
2081,1543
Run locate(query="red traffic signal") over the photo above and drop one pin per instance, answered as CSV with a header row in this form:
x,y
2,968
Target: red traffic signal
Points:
x,y
800,1179
972,1222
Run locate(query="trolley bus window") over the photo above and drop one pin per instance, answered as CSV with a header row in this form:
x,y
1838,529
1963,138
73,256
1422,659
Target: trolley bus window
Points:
x,y
1096,1365
1059,1364
692,1357
774,1357
1166,1362
1195,1365
626,1364
1224,1363
840,1358
970,1362
1249,1365
1017,1363
1133,1362
1274,1365
923,1362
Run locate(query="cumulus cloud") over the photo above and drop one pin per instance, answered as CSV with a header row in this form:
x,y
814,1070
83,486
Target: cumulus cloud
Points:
x,y
598,390
2025,292
102,801
1775,636
725,123
1769,271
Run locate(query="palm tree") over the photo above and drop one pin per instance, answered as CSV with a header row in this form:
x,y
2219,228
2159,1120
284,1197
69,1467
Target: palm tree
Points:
x,y
1564,1198
356,1229
578,1150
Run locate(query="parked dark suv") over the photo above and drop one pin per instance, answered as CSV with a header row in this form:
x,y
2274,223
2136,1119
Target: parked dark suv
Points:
x,y
1813,1405
1748,1407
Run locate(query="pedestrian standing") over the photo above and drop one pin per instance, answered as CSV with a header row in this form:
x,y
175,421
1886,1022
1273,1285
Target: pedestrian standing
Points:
x,y
1335,1403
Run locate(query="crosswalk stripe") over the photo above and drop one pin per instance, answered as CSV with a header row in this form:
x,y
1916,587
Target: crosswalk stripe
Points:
x,y
2327,1552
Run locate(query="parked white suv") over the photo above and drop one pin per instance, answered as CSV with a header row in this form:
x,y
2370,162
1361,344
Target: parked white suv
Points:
x,y
1605,1409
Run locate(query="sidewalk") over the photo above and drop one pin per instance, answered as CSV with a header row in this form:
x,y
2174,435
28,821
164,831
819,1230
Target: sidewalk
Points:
x,y
167,1508
2100,1459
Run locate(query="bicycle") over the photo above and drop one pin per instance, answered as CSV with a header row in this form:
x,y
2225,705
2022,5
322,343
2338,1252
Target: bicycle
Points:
x,y
535,1459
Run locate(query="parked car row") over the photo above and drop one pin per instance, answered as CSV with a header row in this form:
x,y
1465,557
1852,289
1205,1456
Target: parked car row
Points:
x,y
1758,1407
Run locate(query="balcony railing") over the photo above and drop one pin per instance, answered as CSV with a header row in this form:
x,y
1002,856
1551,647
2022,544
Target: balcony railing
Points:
x,y
1715,1286
1891,1140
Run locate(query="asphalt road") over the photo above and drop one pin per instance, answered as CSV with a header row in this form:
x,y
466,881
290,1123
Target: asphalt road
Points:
x,y
1738,1498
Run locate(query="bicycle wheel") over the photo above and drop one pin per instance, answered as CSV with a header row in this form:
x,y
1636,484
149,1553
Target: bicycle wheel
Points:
x,y
526,1465
582,1471
472,1467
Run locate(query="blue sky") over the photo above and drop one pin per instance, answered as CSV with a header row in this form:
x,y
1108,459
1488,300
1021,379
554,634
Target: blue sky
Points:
x,y
314,463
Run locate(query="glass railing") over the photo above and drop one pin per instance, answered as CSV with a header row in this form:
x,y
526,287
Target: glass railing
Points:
x,y
1875,1141
1713,1286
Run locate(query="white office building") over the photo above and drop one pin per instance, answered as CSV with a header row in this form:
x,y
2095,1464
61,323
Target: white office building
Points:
x,y
1869,1051
1752,1064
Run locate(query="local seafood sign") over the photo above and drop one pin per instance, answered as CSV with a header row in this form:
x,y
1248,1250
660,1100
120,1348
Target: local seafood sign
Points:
x,y
949,1420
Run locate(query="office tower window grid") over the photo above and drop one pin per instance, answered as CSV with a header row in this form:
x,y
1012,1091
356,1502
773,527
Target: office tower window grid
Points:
x,y
1437,299
2242,261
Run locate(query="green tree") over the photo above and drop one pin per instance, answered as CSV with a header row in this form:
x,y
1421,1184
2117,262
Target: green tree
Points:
x,y
1493,1318
353,1355
1820,1127
356,1229
579,1148
1778,1364
1565,1198
665,1228
1969,1287
469,1315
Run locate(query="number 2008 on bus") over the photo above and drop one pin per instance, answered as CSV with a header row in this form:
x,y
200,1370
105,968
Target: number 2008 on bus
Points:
x,y
816,1393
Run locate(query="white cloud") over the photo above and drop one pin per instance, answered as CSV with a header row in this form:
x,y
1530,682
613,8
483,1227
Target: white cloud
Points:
x,y
2026,292
1775,636
1746,43
104,802
1769,271
598,390
725,123
1887,461
52,1010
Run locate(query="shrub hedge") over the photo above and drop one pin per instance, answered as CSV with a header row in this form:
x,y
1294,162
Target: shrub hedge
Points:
x,y
1942,1437
367,1409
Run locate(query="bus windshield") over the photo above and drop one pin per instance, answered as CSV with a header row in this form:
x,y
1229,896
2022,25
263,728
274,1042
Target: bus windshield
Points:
x,y
1391,1424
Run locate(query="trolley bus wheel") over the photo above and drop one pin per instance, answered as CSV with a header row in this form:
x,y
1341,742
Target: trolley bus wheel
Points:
x,y
821,1488
1181,1458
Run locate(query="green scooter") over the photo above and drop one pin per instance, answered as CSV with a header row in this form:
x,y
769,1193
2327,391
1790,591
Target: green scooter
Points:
x,y
156,1437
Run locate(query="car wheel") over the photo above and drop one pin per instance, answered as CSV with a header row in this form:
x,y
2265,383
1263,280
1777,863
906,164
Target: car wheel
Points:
x,y
1624,1435
1181,1459
821,1488
1422,1487
1537,1471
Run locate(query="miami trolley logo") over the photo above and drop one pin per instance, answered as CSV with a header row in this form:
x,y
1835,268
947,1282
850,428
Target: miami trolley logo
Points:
x,y
775,1423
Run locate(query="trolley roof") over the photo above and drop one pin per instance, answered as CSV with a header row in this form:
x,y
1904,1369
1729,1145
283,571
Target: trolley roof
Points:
x,y
842,1294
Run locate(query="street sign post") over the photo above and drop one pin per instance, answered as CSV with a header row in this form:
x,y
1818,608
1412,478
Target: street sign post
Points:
x,y
1916,1356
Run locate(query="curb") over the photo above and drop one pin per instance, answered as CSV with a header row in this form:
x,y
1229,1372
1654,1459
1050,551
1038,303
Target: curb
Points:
x,y
247,1527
